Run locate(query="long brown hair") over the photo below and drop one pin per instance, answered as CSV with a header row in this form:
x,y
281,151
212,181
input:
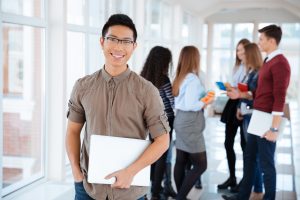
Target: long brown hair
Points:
x,y
253,56
189,62
238,61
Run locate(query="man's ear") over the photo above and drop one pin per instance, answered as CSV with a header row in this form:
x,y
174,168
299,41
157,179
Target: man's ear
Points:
x,y
101,41
134,45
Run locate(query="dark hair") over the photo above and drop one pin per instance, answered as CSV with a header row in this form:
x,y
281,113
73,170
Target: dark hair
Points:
x,y
157,65
119,19
272,31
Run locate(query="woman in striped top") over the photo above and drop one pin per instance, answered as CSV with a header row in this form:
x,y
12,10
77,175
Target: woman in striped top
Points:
x,y
156,70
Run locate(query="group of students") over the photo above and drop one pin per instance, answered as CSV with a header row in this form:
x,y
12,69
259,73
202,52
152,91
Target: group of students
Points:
x,y
190,100
115,101
267,82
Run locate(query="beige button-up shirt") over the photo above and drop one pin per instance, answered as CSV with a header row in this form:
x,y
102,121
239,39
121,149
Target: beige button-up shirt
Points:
x,y
126,105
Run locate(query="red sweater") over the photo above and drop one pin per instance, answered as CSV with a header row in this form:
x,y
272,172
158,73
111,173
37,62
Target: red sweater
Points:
x,y
273,81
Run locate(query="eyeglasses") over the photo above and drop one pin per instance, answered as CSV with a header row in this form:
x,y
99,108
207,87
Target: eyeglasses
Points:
x,y
115,41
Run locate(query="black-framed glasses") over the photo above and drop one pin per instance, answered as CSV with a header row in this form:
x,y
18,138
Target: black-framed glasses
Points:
x,y
115,41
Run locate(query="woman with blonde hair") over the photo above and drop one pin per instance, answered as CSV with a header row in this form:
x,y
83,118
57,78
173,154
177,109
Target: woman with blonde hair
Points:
x,y
189,123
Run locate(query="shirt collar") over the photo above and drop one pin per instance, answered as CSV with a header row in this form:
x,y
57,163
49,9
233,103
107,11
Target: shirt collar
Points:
x,y
273,54
116,79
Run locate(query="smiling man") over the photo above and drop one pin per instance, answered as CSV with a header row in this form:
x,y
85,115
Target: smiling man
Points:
x,y
115,101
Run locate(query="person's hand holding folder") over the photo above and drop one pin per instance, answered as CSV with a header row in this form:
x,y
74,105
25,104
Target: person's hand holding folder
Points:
x,y
209,98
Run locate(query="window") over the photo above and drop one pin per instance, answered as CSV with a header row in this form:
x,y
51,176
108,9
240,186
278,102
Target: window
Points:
x,y
75,11
23,105
29,8
222,56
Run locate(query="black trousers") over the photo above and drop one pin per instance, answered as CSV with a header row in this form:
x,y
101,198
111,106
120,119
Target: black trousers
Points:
x,y
231,126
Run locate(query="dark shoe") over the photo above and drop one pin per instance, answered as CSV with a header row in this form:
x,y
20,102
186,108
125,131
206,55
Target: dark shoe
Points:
x,y
169,191
234,197
198,183
159,197
230,182
236,188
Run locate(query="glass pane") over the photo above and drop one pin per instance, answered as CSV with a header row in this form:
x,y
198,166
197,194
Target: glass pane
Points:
x,y
290,37
29,8
243,31
222,36
204,35
75,59
97,13
23,103
185,27
75,12
203,56
222,66
152,18
96,58
123,7
166,21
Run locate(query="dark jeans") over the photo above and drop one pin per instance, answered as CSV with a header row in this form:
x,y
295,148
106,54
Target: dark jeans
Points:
x,y
258,181
80,193
265,150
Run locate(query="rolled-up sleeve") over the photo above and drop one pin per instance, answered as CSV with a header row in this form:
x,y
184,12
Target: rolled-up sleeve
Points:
x,y
76,111
154,115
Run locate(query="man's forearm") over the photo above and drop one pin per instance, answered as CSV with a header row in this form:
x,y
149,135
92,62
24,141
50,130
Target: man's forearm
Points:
x,y
73,147
276,121
151,154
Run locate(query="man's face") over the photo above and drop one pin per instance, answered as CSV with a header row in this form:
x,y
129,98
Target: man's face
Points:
x,y
264,42
117,45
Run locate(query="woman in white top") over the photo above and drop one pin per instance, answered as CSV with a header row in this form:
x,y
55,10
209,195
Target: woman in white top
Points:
x,y
229,117
189,121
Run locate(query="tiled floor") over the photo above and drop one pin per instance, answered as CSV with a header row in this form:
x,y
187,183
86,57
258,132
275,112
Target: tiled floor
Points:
x,y
287,159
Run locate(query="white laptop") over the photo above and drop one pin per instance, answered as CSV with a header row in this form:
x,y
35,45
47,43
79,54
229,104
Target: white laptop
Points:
x,y
261,122
109,154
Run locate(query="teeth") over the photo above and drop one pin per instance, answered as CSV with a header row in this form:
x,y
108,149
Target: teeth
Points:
x,y
117,56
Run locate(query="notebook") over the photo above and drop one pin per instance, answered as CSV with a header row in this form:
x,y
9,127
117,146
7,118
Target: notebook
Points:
x,y
243,87
109,154
221,85
261,122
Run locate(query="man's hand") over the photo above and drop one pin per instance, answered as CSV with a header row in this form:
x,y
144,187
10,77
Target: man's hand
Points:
x,y
78,176
123,178
270,136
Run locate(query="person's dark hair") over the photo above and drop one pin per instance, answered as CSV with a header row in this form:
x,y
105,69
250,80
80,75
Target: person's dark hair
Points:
x,y
157,65
119,19
272,31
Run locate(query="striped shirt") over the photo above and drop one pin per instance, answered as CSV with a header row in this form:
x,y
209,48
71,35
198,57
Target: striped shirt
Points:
x,y
165,92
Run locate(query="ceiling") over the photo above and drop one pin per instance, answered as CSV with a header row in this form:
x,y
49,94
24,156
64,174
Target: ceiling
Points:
x,y
208,8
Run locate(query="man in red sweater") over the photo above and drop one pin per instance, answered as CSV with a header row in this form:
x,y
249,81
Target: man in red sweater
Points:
x,y
273,81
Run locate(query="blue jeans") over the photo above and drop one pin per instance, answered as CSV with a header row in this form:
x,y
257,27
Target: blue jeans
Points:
x,y
81,194
258,180
265,150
